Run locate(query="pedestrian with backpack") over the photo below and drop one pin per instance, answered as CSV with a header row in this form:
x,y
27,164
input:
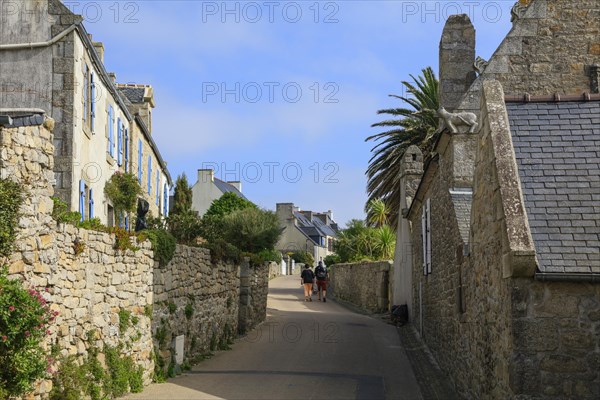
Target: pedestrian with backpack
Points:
x,y
322,277
307,278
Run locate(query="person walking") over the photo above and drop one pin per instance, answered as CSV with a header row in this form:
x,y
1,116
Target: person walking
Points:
x,y
307,278
322,277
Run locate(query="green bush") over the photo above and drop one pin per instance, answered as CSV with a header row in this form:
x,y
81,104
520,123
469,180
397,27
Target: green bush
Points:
x,y
185,226
92,224
163,244
24,320
11,198
227,204
123,191
303,257
61,213
251,229
331,259
220,250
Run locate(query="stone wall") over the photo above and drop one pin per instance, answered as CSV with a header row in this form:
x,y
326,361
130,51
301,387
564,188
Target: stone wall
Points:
x,y
192,305
274,270
364,284
254,285
197,300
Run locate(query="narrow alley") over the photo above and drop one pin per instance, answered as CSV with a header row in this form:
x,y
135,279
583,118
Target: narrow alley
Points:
x,y
304,350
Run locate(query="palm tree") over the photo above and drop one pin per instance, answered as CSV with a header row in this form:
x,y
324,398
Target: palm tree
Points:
x,y
410,126
377,213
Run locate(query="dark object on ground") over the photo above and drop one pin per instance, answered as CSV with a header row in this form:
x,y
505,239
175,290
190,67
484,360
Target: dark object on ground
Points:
x,y
400,314
142,210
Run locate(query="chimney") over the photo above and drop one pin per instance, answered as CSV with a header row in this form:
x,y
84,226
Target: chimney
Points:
x,y
411,170
284,211
206,176
457,55
99,47
113,77
308,215
237,185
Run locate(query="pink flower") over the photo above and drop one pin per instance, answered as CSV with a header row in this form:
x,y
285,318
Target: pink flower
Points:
x,y
4,338
47,290
27,334
48,332
11,308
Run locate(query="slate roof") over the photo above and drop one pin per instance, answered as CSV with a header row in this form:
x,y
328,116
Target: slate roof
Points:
x,y
133,94
557,147
225,187
462,208
315,228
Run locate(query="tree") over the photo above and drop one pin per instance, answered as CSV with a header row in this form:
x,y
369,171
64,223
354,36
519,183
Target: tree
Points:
x,y
226,204
377,213
123,190
360,242
416,125
182,196
251,229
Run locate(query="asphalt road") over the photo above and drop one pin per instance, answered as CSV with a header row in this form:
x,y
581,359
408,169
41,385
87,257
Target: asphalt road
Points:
x,y
303,351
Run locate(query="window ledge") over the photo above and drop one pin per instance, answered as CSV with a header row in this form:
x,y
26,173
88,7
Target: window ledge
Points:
x,y
110,159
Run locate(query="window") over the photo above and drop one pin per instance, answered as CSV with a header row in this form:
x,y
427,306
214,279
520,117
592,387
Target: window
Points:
x,y
426,236
111,133
149,174
86,94
119,142
140,158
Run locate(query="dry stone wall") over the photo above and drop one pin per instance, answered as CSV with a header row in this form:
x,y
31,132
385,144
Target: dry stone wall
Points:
x,y
364,284
90,283
197,300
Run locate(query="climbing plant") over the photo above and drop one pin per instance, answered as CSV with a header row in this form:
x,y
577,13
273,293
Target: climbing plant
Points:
x,y
11,198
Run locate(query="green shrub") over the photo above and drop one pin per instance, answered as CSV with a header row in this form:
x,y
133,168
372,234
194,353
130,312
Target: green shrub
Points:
x,y
251,229
303,257
185,226
163,244
92,224
172,307
189,311
270,255
331,259
228,203
124,320
123,239
221,251
11,198
24,320
123,191
61,213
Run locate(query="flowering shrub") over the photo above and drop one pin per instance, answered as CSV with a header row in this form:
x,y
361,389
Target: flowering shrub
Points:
x,y
24,320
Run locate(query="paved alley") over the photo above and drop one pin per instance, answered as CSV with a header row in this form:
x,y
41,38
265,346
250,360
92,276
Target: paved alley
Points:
x,y
304,351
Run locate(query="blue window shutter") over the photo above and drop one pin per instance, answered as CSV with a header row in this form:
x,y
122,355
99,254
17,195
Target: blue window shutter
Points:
x,y
166,200
92,102
127,222
111,133
149,174
140,158
82,199
85,92
126,150
119,142
157,187
91,203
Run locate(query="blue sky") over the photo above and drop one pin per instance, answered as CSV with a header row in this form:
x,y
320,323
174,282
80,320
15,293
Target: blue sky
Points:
x,y
279,95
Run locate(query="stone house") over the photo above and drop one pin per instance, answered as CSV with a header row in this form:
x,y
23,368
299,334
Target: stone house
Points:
x,y
49,62
306,231
208,189
499,243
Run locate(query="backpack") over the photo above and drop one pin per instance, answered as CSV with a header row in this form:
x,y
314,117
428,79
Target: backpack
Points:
x,y
321,273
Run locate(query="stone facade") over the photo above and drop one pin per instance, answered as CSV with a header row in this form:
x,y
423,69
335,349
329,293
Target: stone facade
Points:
x,y
254,284
65,76
364,284
499,322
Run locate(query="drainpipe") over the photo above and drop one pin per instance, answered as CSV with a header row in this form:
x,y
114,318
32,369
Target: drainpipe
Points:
x,y
567,277
33,45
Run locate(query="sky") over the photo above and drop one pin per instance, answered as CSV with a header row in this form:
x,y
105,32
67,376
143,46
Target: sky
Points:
x,y
279,95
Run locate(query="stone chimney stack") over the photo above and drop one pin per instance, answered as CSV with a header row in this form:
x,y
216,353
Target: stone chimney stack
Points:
x,y
206,176
457,55
99,47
